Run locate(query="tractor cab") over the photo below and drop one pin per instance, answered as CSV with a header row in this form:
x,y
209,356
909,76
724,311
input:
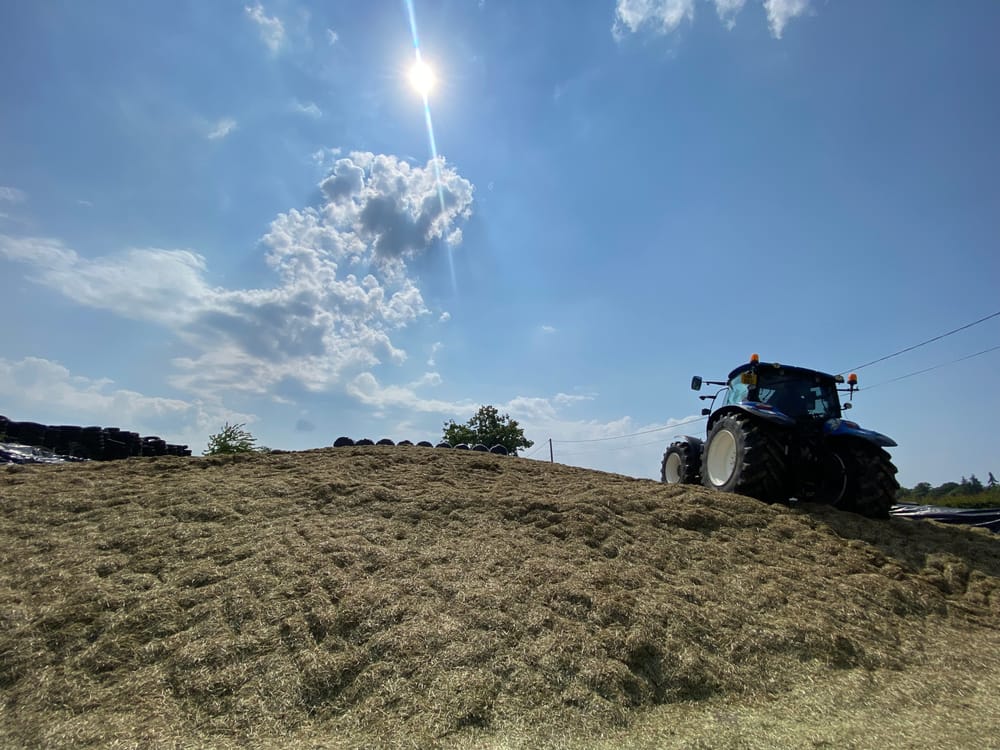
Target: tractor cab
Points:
x,y
794,391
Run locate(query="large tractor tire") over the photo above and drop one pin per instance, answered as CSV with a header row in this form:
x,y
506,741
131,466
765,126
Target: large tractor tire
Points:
x,y
681,464
870,486
742,455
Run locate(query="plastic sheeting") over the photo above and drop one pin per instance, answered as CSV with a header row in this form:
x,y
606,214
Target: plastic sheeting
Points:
x,y
14,453
985,518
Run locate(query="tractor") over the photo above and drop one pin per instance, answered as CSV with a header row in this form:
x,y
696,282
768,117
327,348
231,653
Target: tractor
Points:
x,y
779,434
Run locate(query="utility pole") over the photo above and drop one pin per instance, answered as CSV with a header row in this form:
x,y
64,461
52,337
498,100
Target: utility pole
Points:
x,y
552,459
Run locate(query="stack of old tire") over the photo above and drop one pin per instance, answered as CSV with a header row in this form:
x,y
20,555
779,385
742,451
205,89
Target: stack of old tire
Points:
x,y
94,443
346,442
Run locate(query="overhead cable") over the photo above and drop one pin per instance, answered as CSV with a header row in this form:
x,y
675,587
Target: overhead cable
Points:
x,y
922,343
935,367
633,434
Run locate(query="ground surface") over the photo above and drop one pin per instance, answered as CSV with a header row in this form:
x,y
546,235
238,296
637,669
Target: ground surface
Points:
x,y
410,597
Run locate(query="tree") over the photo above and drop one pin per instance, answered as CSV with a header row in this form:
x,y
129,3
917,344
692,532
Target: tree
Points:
x,y
974,486
232,439
488,427
991,481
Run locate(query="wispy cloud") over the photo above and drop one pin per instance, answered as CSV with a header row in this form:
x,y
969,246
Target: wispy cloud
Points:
x,y
548,330
272,30
665,16
310,109
12,195
780,12
332,37
222,128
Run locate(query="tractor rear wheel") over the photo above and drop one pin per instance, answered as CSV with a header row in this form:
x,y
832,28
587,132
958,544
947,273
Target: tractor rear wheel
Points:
x,y
871,479
681,464
744,456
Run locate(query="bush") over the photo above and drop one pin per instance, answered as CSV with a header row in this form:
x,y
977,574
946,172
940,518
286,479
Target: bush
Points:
x,y
232,439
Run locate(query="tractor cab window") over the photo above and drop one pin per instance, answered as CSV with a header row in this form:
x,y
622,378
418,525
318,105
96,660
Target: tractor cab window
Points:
x,y
737,391
799,395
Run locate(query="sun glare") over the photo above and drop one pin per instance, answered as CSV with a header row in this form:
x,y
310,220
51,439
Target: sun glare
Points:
x,y
421,78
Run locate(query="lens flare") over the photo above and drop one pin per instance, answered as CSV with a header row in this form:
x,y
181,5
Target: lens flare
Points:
x,y
422,78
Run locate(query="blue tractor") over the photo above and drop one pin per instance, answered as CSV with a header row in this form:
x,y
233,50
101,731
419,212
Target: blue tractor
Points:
x,y
779,433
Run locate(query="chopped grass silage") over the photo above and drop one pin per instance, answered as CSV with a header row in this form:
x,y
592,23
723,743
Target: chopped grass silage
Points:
x,y
414,597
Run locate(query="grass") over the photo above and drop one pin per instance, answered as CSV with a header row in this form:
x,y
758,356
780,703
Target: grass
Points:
x,y
408,597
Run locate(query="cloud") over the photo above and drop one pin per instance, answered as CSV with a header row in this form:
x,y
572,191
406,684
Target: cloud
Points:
x,y
436,347
272,30
369,391
307,108
12,195
323,156
163,286
48,392
780,12
728,10
445,317
665,16
548,330
342,286
332,37
222,128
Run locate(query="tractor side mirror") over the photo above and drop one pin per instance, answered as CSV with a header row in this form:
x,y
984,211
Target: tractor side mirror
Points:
x,y
705,412
696,383
848,405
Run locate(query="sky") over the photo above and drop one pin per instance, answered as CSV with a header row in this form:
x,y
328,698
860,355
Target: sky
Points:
x,y
245,212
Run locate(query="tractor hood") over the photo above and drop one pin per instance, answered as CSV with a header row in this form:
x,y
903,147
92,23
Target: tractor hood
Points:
x,y
847,428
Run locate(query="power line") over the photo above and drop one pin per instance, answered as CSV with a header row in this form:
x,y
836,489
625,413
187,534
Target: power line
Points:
x,y
922,343
538,448
935,367
634,434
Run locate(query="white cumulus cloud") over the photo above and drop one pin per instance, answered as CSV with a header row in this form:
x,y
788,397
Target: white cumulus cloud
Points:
x,y
342,285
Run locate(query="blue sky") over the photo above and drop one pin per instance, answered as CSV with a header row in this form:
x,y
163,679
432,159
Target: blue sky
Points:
x,y
228,211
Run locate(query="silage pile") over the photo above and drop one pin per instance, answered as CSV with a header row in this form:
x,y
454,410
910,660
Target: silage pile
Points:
x,y
411,596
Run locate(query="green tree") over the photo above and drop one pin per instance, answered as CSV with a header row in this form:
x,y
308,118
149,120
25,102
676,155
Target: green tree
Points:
x,y
921,489
232,438
974,486
488,427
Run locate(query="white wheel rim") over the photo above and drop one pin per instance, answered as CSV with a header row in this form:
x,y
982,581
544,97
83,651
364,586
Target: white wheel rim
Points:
x,y
672,469
837,496
721,459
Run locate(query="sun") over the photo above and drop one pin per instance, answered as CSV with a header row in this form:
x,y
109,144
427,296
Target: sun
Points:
x,y
421,78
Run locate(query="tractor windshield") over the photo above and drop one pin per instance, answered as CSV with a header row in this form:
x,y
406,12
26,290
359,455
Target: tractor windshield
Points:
x,y
795,393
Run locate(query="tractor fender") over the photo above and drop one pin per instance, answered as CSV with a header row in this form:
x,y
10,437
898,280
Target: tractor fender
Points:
x,y
847,428
754,409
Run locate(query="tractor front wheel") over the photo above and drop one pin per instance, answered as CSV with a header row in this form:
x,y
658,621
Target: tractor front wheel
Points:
x,y
681,464
744,456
